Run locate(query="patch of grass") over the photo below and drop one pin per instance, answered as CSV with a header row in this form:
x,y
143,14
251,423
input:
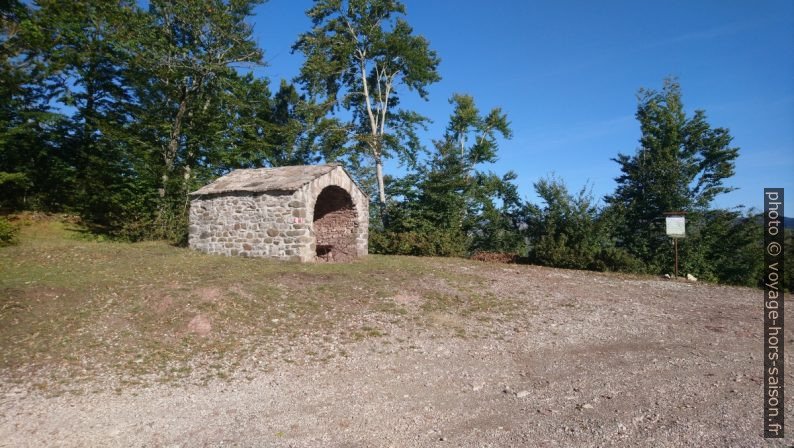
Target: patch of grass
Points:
x,y
9,233
73,306
389,307
372,332
467,303
441,302
366,332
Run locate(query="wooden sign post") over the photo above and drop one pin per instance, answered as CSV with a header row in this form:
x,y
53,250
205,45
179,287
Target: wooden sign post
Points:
x,y
675,224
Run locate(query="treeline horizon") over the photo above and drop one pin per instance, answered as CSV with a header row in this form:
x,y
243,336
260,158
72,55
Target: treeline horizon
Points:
x,y
114,112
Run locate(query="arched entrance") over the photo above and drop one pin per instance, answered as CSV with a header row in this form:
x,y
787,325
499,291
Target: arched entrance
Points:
x,y
335,225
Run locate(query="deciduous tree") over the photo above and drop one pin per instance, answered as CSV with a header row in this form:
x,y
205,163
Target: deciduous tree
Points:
x,y
681,165
358,55
184,54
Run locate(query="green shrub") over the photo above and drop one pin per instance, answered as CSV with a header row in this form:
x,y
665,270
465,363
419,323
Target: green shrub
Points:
x,y
437,243
12,189
615,259
9,233
566,231
723,246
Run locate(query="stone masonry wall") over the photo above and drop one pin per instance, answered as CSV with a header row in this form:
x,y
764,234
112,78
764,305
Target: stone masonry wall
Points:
x,y
338,178
281,225
256,225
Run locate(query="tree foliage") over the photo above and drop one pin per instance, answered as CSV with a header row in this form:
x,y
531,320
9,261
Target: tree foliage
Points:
x,y
681,165
449,200
29,131
570,231
358,54
115,112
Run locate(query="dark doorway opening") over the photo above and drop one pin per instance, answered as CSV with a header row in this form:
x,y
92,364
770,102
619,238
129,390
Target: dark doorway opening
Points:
x,y
335,225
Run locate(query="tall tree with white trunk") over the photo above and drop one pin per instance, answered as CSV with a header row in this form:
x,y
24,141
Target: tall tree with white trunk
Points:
x,y
358,54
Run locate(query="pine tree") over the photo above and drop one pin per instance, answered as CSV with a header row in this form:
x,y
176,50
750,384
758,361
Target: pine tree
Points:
x,y
449,206
33,172
85,72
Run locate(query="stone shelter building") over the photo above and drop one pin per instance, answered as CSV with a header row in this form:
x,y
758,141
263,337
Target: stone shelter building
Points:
x,y
300,213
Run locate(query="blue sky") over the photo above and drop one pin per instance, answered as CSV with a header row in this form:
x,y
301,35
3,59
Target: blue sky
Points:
x,y
566,73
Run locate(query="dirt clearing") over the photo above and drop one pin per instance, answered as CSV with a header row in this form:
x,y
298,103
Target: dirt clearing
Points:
x,y
108,344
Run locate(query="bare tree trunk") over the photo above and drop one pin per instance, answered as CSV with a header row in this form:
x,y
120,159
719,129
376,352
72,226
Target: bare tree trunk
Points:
x,y
378,161
375,145
173,142
379,175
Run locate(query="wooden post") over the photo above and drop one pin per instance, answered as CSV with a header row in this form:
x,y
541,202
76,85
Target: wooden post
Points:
x,y
675,229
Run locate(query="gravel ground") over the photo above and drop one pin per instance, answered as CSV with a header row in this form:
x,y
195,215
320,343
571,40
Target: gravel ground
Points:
x,y
586,359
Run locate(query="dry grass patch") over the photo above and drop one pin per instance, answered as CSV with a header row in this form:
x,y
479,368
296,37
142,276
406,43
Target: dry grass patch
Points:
x,y
73,308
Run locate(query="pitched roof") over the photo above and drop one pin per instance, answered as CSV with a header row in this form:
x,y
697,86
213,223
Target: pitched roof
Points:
x,y
285,178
